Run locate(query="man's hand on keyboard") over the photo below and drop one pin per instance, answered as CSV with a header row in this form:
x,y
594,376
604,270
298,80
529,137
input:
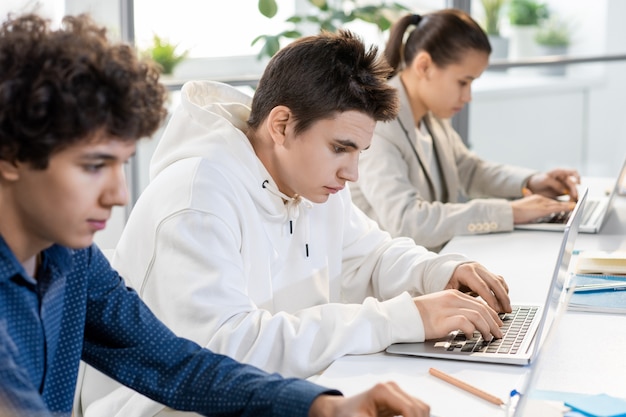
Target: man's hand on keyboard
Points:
x,y
474,277
448,310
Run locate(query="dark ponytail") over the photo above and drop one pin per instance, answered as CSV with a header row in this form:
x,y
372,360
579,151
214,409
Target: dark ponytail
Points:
x,y
394,49
445,34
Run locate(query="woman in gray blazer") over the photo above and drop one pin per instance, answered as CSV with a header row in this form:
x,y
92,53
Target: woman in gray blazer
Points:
x,y
418,178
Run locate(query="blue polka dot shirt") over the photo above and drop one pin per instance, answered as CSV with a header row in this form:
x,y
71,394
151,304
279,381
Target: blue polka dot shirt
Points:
x,y
79,308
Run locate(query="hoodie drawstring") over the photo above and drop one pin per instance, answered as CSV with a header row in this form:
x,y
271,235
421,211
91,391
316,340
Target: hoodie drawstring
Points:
x,y
293,211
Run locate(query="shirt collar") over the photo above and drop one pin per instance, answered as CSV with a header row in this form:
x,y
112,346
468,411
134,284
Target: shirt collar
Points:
x,y
56,258
10,266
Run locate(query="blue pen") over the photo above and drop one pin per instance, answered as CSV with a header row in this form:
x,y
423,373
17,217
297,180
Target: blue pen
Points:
x,y
511,404
613,286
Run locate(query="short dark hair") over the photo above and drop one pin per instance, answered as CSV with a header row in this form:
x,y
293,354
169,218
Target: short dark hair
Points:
x,y
318,76
58,87
445,34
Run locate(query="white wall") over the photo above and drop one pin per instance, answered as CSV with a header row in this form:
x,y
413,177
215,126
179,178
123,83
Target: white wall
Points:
x,y
523,123
577,120
607,114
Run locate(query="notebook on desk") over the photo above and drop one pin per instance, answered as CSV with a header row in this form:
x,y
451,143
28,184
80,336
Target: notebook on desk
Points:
x,y
595,213
524,329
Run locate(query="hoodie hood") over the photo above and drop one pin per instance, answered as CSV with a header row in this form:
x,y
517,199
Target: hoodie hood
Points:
x,y
210,124
208,111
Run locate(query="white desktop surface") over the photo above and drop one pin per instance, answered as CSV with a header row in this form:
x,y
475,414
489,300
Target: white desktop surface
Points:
x,y
594,363
354,374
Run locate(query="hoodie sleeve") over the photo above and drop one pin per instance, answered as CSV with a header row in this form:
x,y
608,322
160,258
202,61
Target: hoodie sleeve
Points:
x,y
386,267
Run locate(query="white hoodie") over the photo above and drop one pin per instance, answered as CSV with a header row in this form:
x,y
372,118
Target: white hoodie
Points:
x,y
216,252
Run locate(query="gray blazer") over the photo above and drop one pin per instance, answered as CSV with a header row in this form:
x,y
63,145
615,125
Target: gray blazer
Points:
x,y
395,185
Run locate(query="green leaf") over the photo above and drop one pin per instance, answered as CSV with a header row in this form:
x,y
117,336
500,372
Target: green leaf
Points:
x,y
339,15
330,16
291,34
268,8
314,19
258,38
294,19
164,53
320,4
527,12
272,46
328,26
381,16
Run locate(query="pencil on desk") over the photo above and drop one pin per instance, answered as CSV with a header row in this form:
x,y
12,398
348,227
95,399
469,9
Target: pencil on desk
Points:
x,y
465,386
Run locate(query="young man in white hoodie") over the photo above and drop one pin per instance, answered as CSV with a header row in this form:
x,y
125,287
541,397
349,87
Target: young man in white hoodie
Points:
x,y
246,239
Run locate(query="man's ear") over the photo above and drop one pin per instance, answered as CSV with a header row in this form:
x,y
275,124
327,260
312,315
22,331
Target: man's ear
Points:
x,y
9,171
277,122
422,64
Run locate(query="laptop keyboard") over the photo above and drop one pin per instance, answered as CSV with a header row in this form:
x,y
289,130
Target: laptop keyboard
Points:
x,y
514,329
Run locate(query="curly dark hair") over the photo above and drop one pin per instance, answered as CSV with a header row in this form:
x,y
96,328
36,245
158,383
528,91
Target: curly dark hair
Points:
x,y
321,75
58,87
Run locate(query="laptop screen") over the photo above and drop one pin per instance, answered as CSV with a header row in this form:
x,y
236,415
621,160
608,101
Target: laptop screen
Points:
x,y
556,302
556,305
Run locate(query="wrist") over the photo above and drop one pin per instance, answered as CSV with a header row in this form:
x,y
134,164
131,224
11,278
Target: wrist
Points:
x,y
526,190
324,405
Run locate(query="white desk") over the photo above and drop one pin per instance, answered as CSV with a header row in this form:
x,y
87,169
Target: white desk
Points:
x,y
594,364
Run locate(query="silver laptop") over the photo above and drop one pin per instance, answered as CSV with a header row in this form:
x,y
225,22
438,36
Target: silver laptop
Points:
x,y
595,213
524,329
527,403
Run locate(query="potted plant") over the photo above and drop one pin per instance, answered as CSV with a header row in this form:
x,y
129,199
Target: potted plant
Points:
x,y
525,17
499,44
326,15
553,38
164,53
492,9
527,12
